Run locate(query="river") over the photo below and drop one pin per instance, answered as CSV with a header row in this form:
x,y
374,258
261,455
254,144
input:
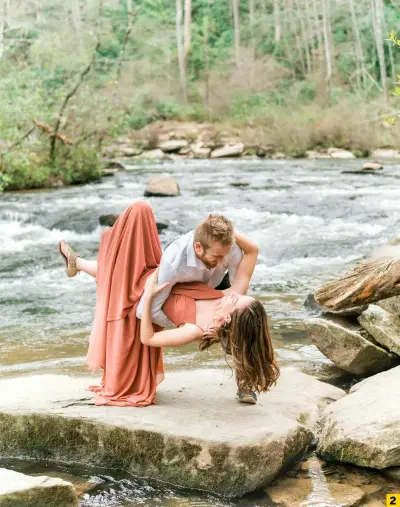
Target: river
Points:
x,y
310,220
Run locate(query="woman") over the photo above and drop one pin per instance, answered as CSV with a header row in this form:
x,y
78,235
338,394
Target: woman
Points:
x,y
129,349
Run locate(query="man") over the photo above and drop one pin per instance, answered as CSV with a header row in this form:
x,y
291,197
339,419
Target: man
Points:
x,y
208,254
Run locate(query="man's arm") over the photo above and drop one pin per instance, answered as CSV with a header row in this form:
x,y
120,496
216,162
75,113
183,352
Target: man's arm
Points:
x,y
234,258
167,273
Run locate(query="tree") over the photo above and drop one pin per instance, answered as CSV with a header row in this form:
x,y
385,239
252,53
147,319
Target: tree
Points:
x,y
377,10
328,52
236,24
180,48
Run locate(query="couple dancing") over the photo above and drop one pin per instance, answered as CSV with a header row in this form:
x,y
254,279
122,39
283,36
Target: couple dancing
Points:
x,y
141,290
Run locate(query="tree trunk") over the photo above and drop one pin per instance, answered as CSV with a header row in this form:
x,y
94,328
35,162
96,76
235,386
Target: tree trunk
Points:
x,y
370,281
2,26
328,54
277,19
359,49
318,32
187,31
207,59
377,9
236,24
300,12
180,47
291,14
76,19
253,42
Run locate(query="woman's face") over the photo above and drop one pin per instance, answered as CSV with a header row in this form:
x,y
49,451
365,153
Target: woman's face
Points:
x,y
235,302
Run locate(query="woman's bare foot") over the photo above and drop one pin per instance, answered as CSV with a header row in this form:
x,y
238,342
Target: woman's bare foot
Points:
x,y
70,257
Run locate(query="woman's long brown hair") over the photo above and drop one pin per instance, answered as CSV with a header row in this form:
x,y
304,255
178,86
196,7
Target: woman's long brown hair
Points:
x,y
247,338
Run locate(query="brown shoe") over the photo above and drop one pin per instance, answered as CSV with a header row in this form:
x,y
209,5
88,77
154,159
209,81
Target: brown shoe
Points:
x,y
70,259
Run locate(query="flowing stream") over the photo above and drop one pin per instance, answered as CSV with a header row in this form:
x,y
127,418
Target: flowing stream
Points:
x,y
310,220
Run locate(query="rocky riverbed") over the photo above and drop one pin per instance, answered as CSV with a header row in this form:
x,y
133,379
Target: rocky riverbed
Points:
x,y
310,220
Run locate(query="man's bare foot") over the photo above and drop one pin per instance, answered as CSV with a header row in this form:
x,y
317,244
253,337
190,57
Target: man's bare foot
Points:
x,y
69,257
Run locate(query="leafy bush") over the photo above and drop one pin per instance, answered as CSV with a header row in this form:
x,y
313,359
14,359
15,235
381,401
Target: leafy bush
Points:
x,y
77,164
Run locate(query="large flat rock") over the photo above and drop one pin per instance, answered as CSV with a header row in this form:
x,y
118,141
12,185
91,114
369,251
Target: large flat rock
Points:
x,y
17,490
196,436
363,428
348,347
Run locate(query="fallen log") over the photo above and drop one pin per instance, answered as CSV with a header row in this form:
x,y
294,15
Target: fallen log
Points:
x,y
369,282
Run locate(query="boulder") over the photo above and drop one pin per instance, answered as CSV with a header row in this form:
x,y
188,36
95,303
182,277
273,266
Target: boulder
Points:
x,y
129,151
173,145
393,473
196,436
372,166
162,186
115,165
152,155
18,489
383,326
391,305
234,150
199,150
347,347
363,428
353,311
288,492
338,153
279,156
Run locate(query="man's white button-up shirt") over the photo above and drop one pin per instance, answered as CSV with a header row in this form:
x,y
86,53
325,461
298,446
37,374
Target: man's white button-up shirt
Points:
x,y
179,263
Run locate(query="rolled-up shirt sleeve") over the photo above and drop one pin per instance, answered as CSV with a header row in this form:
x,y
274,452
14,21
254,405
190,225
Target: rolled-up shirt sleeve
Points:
x,y
233,260
167,273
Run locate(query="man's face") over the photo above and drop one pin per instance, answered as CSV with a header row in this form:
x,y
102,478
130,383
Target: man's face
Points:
x,y
213,255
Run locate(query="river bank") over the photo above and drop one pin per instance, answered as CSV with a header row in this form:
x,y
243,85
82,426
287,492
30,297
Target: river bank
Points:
x,y
174,141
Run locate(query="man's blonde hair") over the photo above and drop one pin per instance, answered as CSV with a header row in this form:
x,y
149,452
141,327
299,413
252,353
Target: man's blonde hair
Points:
x,y
214,228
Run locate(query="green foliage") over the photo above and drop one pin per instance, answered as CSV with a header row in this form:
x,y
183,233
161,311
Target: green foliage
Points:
x,y
24,169
77,164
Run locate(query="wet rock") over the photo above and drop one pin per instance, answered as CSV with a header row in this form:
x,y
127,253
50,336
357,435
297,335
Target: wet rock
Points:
x,y
363,428
109,172
240,184
234,150
287,492
372,166
391,305
18,489
193,437
383,326
163,186
173,145
115,164
348,348
108,220
338,153
199,150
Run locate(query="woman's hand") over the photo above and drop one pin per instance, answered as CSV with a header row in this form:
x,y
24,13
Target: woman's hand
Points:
x,y
151,287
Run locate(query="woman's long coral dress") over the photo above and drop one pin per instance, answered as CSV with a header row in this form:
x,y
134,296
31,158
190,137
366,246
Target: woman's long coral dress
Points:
x,y
129,252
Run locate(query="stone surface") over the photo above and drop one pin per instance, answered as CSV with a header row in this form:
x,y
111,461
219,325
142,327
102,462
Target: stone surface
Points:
x,y
130,151
353,311
234,150
199,150
289,492
317,155
363,428
343,344
162,186
383,326
17,490
372,166
173,145
152,154
391,305
197,435
338,153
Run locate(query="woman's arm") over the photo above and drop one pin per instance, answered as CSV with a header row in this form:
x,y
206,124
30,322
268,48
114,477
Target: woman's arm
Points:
x,y
246,267
173,337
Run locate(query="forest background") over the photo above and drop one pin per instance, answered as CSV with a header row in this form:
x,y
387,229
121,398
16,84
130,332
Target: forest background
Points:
x,y
293,74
